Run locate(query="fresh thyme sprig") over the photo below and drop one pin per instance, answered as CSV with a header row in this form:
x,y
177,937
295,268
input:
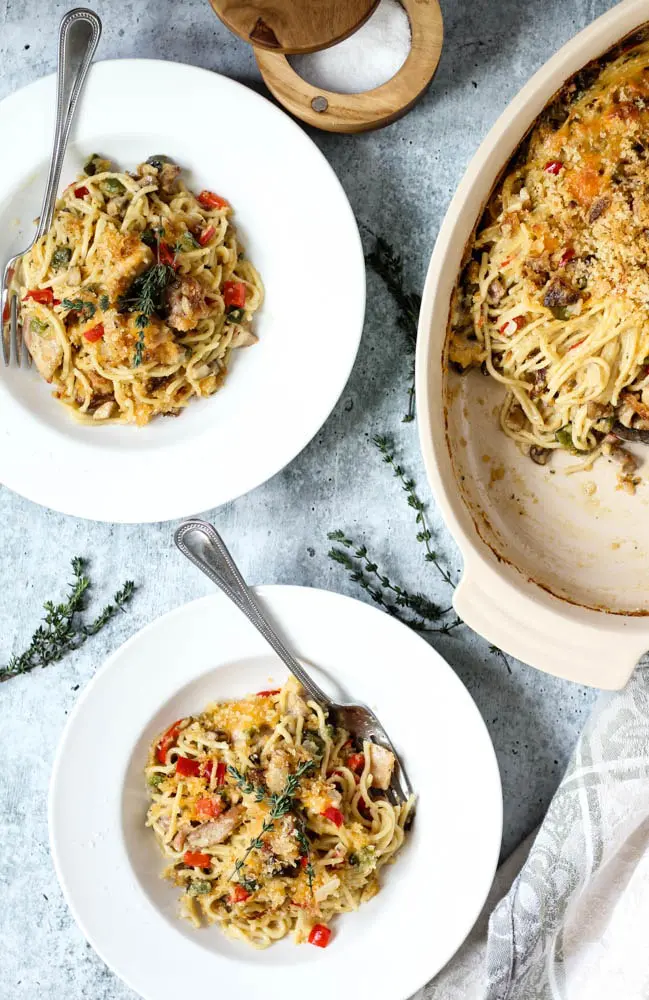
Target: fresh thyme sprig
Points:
x,y
361,569
120,598
245,785
424,534
147,293
281,804
62,630
419,603
139,345
305,847
389,266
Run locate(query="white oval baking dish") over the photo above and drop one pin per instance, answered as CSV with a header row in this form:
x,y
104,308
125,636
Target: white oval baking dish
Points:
x,y
556,568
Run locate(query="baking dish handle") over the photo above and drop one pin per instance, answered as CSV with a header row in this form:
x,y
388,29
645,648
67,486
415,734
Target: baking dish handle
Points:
x,y
586,652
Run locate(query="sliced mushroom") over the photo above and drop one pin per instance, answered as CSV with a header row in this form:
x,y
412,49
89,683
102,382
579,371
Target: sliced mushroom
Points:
x,y
539,455
496,291
559,294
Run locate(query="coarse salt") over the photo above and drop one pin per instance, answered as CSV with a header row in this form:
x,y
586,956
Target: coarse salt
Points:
x,y
368,58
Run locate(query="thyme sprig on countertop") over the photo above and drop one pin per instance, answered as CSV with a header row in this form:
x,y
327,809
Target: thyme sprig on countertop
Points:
x,y
62,630
365,572
389,266
392,598
281,803
362,569
423,535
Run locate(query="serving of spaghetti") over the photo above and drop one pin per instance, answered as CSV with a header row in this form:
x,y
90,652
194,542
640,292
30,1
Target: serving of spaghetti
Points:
x,y
272,821
133,301
553,299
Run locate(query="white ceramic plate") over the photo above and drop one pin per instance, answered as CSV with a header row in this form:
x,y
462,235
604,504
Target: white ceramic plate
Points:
x,y
298,229
109,864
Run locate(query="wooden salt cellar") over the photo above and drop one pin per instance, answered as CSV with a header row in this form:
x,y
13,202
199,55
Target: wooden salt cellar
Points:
x,y
277,28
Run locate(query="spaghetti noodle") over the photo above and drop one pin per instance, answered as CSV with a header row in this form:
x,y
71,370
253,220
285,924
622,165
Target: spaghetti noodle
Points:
x,y
271,820
133,301
553,300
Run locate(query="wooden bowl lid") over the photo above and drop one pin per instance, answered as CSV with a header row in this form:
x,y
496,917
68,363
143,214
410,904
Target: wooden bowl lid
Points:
x,y
375,108
293,26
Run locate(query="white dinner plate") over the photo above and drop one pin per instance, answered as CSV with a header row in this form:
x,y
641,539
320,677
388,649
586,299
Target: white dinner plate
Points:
x,y
299,231
109,864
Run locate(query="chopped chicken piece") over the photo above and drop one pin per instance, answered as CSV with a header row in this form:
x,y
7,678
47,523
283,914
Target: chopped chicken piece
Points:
x,y
180,837
381,765
296,705
167,177
216,830
187,303
244,337
277,771
105,411
121,335
282,840
44,348
122,256
100,386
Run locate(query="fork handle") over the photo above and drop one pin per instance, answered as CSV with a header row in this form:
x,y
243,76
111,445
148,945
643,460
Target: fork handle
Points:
x,y
200,542
79,35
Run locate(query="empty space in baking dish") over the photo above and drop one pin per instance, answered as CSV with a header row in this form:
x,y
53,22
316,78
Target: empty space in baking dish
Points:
x,y
576,535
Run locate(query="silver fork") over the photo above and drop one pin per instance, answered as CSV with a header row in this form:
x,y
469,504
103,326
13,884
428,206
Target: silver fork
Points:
x,y
79,34
200,542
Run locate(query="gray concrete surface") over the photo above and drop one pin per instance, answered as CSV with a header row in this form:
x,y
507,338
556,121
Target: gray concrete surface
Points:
x,y
399,181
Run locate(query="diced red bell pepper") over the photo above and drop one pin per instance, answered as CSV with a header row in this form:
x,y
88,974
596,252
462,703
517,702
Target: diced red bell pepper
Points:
x,y
234,294
196,859
209,200
239,894
167,255
304,861
6,312
209,807
81,192
363,808
167,740
267,694
356,762
566,256
512,325
188,767
220,774
95,334
43,295
320,936
553,167
334,815
206,236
